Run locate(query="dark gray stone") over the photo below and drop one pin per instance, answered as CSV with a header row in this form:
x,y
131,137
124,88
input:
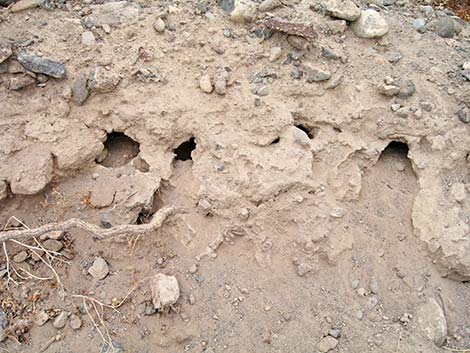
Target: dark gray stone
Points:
x,y
329,54
40,65
79,89
226,5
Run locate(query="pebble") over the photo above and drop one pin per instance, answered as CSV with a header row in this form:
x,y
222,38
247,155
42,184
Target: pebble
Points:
x,y
80,91
41,65
102,80
193,269
407,89
105,221
342,9
359,314
165,291
205,84
40,318
445,27
328,54
3,324
3,190
335,81
389,90
334,332
159,25
372,302
5,50
53,245
463,115
99,269
315,74
20,81
20,257
220,84
106,28
114,348
336,26
75,322
327,344
262,91
268,5
61,320
88,38
298,42
426,9
243,11
275,54
361,291
370,25
420,25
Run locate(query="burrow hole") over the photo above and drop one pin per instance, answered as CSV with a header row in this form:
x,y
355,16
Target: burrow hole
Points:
x,y
119,150
310,131
184,151
395,149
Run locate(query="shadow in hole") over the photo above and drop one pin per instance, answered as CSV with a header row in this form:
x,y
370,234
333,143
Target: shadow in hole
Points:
x,y
121,149
184,151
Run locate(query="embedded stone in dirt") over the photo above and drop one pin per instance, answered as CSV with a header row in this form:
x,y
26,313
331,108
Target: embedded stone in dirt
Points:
x,y
165,291
432,322
343,9
25,5
40,318
113,14
327,344
121,150
75,322
61,320
20,81
53,245
184,151
41,65
3,190
5,50
103,81
370,25
20,257
99,269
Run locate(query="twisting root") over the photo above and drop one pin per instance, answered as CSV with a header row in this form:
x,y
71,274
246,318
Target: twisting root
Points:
x,y
98,233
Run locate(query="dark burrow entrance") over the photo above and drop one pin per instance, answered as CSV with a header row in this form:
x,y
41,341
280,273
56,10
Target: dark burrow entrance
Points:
x,y
396,149
120,149
184,151
308,130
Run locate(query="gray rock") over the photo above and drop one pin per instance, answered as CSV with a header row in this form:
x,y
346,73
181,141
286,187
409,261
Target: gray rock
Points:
x,y
407,89
466,74
342,9
370,25
3,324
393,56
315,74
372,302
243,11
159,25
88,38
327,344
80,91
426,9
40,65
53,245
20,257
226,5
3,190
262,91
432,321
336,26
61,320
329,54
220,84
25,5
165,291
99,269
20,81
75,322
463,115
388,2
445,27
5,50
113,14
268,5
334,332
420,25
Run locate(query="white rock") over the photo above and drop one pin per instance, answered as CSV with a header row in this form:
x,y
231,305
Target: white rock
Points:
x,y
61,320
370,25
432,322
88,38
99,269
268,5
165,291
205,84
159,25
275,54
342,9
300,136
244,11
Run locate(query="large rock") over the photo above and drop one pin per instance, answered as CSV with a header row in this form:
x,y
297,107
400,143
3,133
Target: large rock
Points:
x,y
113,14
445,27
432,322
165,291
41,65
342,9
102,80
370,25
244,11
32,172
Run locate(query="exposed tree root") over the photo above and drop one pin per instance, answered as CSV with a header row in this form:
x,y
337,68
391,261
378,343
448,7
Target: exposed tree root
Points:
x,y
98,233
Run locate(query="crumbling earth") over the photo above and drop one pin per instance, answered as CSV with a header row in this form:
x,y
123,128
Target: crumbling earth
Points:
x,y
315,151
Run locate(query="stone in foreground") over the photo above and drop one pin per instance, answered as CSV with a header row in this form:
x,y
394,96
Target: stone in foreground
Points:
x,y
41,65
370,25
165,291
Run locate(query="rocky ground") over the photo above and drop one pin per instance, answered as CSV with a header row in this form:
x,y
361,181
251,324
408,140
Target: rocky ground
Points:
x,y
308,159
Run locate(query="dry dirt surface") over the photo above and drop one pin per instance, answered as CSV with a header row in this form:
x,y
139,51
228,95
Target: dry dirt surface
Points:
x,y
234,176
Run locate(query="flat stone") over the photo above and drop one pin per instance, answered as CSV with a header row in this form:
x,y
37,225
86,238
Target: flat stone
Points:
x,y
327,344
389,90
165,291
88,38
61,320
342,9
205,84
113,14
393,56
80,91
445,27
432,321
99,269
244,11
103,81
370,25
102,195
41,65
300,136
25,5
316,74
53,245
5,50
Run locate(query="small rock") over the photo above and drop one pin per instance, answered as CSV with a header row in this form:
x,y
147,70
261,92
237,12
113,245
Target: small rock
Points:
x,y
244,11
374,285
75,322
193,269
20,257
3,324
315,74
3,190
298,42
262,91
268,5
372,302
53,245
335,332
426,9
40,318
300,136
275,54
5,50
370,25
220,84
337,26
463,115
327,344
99,269
342,9
420,25
389,90
359,314
113,14
388,2
334,82
106,28
205,84
361,291
328,54
41,65
159,25
445,27
37,255
56,235
25,5
393,57
20,81
165,291
80,91
88,38
432,322
303,269
105,221
407,89
102,80
61,320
